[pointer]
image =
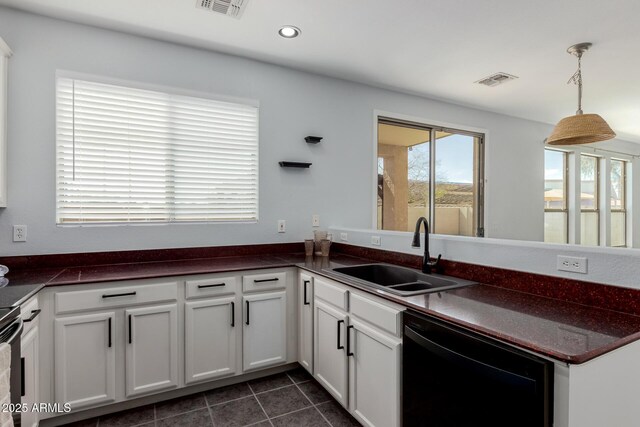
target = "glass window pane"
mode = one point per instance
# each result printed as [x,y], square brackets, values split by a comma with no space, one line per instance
[618,229]
[555,227]
[589,183]
[403,176]
[617,184]
[554,180]
[455,188]
[589,230]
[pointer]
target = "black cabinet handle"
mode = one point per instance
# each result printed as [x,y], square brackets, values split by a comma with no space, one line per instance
[215,285]
[34,314]
[349,352]
[233,314]
[340,347]
[306,282]
[275,279]
[129,329]
[247,312]
[23,384]
[126,294]
[110,332]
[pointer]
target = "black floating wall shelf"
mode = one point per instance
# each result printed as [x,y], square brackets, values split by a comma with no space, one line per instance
[294,164]
[312,139]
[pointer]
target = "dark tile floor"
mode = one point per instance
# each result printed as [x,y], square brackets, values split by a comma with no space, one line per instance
[289,399]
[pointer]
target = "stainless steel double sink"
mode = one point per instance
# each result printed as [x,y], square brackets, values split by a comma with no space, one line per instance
[400,280]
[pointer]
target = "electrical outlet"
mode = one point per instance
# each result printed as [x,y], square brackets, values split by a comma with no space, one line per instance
[282,227]
[344,237]
[573,264]
[315,220]
[19,233]
[375,240]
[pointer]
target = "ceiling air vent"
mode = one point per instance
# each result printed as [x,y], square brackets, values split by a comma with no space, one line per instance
[232,8]
[496,79]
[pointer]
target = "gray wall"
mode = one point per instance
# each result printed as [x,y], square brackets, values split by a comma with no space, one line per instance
[293,104]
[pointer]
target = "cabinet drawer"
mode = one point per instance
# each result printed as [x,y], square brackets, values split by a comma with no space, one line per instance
[333,294]
[386,318]
[265,281]
[96,299]
[212,286]
[29,312]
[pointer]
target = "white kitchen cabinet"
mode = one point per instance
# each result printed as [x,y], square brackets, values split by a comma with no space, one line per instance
[305,322]
[210,339]
[5,53]
[85,362]
[29,348]
[330,357]
[357,352]
[151,355]
[264,338]
[374,376]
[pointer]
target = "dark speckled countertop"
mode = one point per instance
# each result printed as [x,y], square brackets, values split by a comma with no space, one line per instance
[565,331]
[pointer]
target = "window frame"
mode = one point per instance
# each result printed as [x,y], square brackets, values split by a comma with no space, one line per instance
[565,192]
[433,126]
[171,90]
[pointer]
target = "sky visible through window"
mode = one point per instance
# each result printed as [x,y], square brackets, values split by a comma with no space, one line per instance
[454,162]
[553,165]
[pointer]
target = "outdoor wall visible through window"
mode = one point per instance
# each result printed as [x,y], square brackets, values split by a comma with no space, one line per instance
[555,196]
[132,155]
[618,203]
[431,172]
[589,201]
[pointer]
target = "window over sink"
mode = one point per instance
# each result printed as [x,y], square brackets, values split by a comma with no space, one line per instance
[127,153]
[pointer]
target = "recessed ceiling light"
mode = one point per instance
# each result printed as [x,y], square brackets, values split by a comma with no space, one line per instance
[289,31]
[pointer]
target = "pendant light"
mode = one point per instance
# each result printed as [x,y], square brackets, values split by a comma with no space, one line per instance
[581,128]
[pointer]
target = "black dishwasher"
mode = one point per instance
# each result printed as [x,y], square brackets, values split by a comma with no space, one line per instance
[455,378]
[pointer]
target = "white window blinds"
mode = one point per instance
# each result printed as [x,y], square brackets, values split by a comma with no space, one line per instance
[127,155]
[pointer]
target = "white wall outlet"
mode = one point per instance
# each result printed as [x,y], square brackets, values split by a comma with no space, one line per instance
[375,240]
[282,226]
[315,220]
[344,237]
[573,264]
[19,233]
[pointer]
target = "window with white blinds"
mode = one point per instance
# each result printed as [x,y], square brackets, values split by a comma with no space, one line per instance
[129,155]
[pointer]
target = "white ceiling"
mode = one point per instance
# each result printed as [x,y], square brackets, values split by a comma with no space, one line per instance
[436,48]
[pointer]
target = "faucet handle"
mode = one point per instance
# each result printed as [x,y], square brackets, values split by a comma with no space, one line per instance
[436,264]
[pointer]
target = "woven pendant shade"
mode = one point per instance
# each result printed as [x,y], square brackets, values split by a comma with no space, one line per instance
[580,129]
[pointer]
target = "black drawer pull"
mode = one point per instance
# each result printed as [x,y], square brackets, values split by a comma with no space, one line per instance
[127,294]
[23,382]
[340,347]
[247,312]
[129,329]
[233,314]
[34,314]
[349,352]
[306,282]
[275,279]
[215,285]
[109,332]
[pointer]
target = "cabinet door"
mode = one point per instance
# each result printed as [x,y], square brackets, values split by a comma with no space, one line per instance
[374,376]
[264,339]
[210,339]
[30,374]
[151,349]
[330,357]
[305,325]
[85,362]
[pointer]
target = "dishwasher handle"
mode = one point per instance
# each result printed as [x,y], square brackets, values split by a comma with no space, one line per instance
[476,366]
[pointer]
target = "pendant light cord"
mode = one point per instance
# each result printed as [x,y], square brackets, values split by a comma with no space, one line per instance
[577,79]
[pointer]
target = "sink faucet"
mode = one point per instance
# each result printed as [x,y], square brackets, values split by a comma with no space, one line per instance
[427,265]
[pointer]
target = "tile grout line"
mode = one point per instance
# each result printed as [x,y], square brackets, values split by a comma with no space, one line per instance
[261,407]
[312,404]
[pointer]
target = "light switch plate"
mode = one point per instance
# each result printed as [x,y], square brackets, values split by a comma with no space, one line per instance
[375,240]
[315,220]
[344,237]
[282,226]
